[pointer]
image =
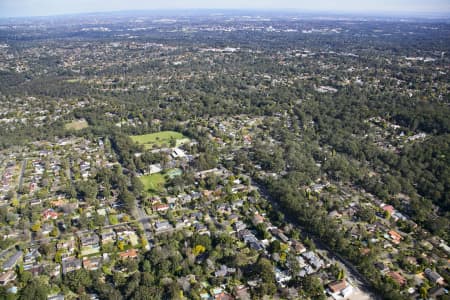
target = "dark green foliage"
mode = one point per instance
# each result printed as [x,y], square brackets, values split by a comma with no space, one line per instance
[34,290]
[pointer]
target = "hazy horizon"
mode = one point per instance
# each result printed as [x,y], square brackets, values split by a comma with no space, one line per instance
[31,8]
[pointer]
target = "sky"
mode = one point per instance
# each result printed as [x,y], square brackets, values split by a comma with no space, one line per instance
[21,8]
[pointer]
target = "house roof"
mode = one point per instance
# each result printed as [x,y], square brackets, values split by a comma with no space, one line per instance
[395,235]
[12,261]
[388,208]
[223,296]
[49,214]
[397,277]
[10,275]
[161,206]
[431,275]
[337,286]
[436,291]
[71,263]
[91,263]
[65,244]
[241,292]
[299,247]
[90,239]
[131,253]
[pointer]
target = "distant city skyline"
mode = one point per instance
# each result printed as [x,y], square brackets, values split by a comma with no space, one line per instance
[22,8]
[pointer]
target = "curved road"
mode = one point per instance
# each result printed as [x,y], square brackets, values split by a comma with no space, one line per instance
[356,278]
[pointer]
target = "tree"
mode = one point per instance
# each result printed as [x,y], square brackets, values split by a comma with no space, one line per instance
[261,231]
[275,246]
[137,186]
[264,270]
[424,292]
[198,249]
[36,227]
[312,286]
[106,291]
[202,240]
[34,290]
[58,256]
[172,142]
[128,199]
[15,203]
[113,219]
[119,279]
[341,275]
[98,220]
[25,277]
[147,293]
[132,284]
[54,232]
[146,266]
[78,280]
[366,214]
[87,189]
[121,245]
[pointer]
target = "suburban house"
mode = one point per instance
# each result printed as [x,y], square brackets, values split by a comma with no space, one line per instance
[31,256]
[71,264]
[395,236]
[46,228]
[131,253]
[92,263]
[279,234]
[239,225]
[389,208]
[36,270]
[90,240]
[49,214]
[108,236]
[339,289]
[434,277]
[437,291]
[162,226]
[160,207]
[314,260]
[223,271]
[7,277]
[241,292]
[397,278]
[12,261]
[178,153]
[298,247]
[123,232]
[69,245]
[257,219]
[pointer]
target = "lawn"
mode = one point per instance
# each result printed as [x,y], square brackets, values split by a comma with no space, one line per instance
[77,125]
[158,139]
[153,183]
[174,173]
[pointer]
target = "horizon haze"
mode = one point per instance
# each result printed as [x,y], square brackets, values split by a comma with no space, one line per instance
[33,8]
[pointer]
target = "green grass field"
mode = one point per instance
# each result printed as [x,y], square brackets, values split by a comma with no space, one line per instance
[153,183]
[77,125]
[73,80]
[158,139]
